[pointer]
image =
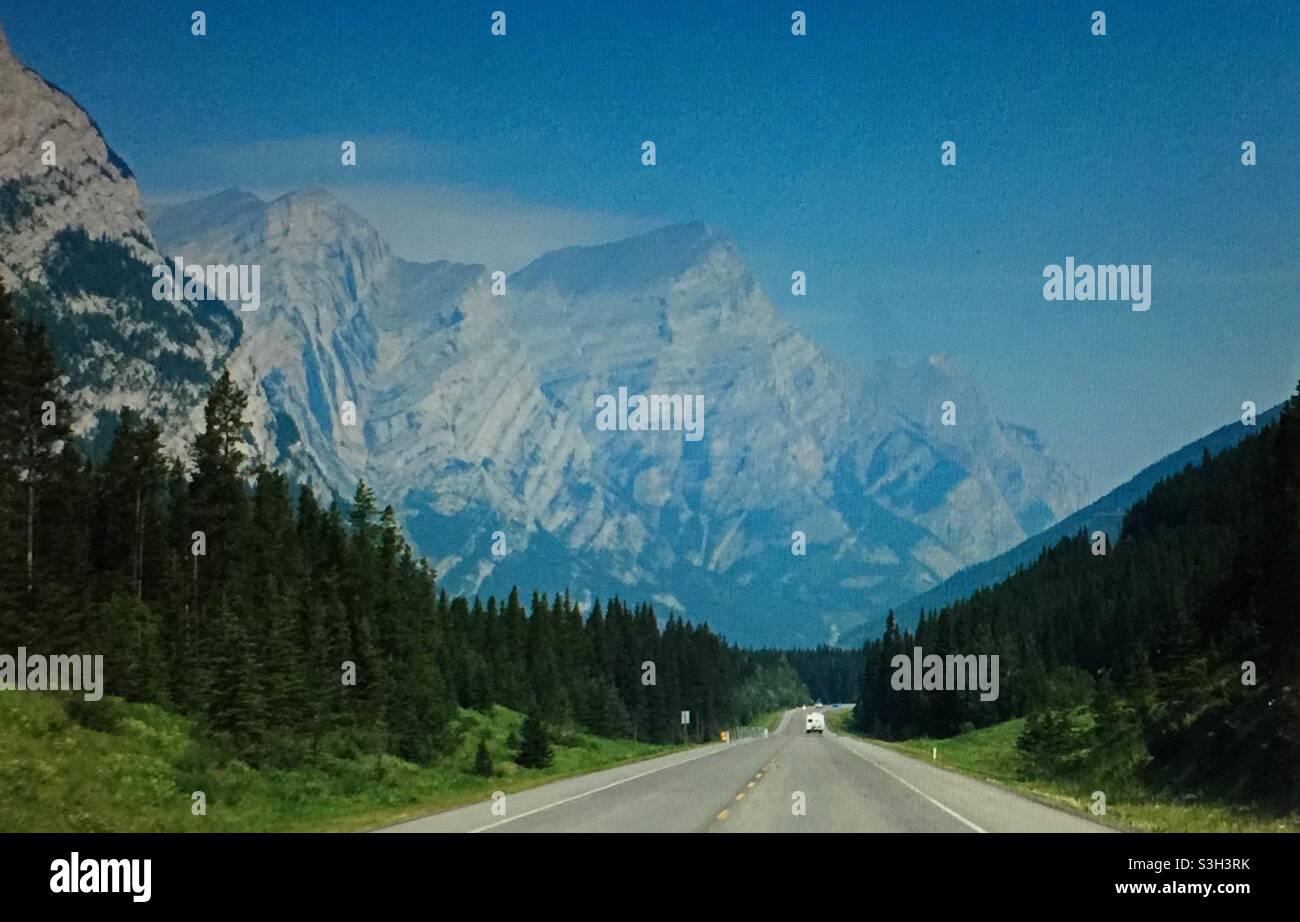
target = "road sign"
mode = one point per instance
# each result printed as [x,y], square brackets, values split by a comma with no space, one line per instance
[686,717]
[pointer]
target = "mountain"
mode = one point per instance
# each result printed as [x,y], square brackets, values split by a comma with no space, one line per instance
[310,347]
[76,251]
[476,413]
[891,500]
[450,421]
[1106,514]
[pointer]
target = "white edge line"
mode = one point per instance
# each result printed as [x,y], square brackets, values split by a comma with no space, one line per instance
[605,787]
[903,781]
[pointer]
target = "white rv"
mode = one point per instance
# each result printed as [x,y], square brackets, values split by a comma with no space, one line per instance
[814,723]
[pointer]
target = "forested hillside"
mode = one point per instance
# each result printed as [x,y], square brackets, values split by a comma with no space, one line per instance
[1105,514]
[831,674]
[233,596]
[1172,659]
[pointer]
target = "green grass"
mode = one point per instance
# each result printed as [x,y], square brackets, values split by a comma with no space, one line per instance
[137,774]
[990,754]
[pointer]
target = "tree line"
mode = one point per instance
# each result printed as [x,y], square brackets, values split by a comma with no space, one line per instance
[290,624]
[1171,660]
[833,675]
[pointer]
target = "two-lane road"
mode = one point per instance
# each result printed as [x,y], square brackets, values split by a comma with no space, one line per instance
[787,782]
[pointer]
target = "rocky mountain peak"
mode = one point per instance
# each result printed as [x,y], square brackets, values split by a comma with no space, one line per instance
[59,172]
[312,228]
[69,209]
[189,219]
[651,260]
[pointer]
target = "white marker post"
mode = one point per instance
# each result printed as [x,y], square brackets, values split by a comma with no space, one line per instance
[686,719]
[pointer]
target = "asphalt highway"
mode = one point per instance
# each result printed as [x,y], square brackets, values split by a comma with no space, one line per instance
[789,781]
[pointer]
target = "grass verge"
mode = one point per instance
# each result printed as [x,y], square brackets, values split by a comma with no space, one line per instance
[137,771]
[990,754]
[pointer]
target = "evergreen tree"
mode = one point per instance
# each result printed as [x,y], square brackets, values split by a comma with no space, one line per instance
[134,665]
[11,542]
[1118,752]
[37,424]
[250,636]
[218,499]
[482,760]
[132,476]
[534,749]
[1046,744]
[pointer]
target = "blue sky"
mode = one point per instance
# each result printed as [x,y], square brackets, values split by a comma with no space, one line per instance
[818,153]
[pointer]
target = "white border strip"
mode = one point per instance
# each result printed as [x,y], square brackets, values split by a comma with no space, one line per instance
[903,781]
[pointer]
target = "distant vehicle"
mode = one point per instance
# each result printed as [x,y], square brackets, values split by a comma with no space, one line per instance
[814,723]
[818,704]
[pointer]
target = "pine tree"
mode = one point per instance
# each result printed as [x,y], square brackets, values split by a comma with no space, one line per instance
[132,477]
[1118,751]
[482,760]
[10,532]
[510,659]
[534,750]
[219,502]
[134,663]
[37,420]
[1047,744]
[543,668]
[61,611]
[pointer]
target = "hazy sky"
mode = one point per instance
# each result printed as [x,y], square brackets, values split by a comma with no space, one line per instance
[818,153]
